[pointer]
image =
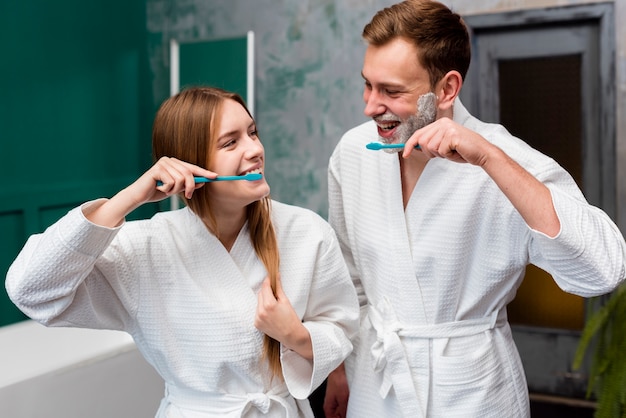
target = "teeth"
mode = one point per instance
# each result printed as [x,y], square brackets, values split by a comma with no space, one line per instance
[387,126]
[255,171]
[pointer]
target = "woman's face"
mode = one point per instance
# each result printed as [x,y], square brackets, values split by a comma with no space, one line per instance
[237,151]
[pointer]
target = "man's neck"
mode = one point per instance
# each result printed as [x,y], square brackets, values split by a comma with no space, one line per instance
[410,171]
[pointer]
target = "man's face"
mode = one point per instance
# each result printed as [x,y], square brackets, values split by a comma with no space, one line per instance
[394,81]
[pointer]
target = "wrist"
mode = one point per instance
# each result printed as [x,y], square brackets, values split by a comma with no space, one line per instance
[300,342]
[112,213]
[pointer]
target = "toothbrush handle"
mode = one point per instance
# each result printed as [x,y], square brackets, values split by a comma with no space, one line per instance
[199,180]
[221,178]
[378,146]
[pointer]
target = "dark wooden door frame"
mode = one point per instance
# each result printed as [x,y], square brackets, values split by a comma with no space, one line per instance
[547,353]
[601,14]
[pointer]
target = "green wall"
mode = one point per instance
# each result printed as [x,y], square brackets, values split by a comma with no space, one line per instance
[218,63]
[75,112]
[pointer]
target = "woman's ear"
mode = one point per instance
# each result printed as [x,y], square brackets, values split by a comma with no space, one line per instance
[448,89]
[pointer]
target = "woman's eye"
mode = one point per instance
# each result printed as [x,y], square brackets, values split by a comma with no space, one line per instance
[228,143]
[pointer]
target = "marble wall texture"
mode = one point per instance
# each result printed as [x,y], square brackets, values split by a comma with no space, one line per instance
[307,73]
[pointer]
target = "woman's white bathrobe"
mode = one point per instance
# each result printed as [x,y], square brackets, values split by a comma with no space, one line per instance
[190,304]
[434,279]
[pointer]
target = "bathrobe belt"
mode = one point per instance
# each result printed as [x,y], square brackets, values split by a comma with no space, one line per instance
[390,357]
[226,404]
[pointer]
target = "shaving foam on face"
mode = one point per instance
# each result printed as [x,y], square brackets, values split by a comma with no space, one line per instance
[426,114]
[426,109]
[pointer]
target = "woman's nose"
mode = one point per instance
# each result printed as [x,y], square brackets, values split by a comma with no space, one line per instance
[254,148]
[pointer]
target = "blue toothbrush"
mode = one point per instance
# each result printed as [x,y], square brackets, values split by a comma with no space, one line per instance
[378,146]
[249,177]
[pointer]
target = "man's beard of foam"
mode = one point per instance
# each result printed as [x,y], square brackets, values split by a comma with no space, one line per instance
[426,114]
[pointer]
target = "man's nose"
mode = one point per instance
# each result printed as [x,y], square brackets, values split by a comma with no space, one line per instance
[373,104]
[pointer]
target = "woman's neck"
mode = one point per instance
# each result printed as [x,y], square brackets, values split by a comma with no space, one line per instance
[227,227]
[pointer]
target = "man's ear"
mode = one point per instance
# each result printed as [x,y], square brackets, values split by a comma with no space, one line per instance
[448,89]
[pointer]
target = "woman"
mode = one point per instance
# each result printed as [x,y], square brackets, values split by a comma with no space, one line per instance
[242,304]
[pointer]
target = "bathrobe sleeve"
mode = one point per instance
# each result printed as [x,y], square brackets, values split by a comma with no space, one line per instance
[588,255]
[55,282]
[316,280]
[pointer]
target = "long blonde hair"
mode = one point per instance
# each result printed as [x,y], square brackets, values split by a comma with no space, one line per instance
[186,127]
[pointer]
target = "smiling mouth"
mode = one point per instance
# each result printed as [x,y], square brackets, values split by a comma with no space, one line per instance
[387,126]
[255,171]
[387,130]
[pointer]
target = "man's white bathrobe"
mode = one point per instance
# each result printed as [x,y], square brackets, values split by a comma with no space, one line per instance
[190,304]
[434,279]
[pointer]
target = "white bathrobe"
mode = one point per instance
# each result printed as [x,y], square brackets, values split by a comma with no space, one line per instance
[190,304]
[434,279]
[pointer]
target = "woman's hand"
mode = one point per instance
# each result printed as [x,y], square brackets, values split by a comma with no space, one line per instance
[176,176]
[276,317]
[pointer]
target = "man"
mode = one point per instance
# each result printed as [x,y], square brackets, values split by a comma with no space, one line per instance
[438,238]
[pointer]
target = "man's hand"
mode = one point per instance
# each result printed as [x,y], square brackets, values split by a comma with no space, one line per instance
[337,394]
[445,138]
